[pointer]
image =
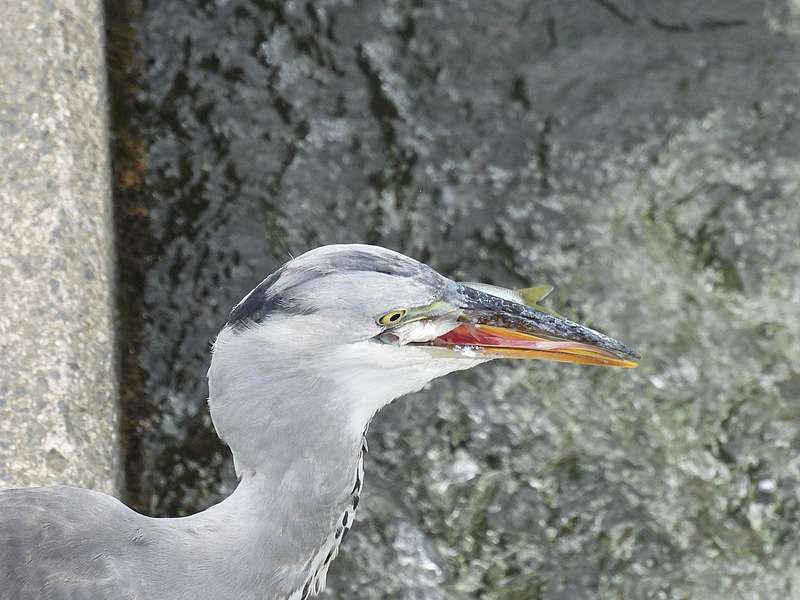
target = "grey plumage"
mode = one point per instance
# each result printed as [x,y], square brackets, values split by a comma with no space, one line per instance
[278,291]
[296,375]
[54,543]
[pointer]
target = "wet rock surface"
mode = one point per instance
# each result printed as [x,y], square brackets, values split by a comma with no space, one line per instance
[644,157]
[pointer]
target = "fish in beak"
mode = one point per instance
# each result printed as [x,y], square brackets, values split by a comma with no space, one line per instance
[510,324]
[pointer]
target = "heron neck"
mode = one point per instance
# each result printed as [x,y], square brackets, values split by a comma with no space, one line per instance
[294,419]
[296,485]
[278,429]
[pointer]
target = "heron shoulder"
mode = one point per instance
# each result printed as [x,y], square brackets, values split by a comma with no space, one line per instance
[57,542]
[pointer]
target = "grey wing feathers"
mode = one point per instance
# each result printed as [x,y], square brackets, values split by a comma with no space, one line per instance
[56,544]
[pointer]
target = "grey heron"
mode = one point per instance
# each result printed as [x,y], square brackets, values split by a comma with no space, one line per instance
[297,373]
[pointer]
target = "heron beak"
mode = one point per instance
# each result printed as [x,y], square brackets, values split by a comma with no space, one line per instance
[503,328]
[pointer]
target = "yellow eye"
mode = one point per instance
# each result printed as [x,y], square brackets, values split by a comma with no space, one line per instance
[392,317]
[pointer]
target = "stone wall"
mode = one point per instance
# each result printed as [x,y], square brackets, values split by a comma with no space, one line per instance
[58,381]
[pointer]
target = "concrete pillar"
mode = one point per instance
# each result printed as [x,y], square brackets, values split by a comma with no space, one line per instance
[58,384]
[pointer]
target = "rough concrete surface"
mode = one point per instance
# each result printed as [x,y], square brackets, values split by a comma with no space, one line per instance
[57,370]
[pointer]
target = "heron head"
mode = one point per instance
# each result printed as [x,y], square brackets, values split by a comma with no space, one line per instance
[365,310]
[343,330]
